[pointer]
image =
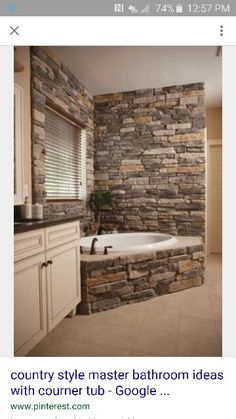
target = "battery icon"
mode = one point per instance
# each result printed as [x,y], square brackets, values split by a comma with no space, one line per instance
[179,8]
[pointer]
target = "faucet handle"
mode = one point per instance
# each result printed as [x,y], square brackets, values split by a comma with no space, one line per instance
[105,249]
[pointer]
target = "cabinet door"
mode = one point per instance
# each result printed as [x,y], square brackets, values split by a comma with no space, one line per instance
[63,281]
[30,303]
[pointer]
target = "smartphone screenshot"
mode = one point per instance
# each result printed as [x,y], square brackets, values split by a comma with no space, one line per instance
[117,209]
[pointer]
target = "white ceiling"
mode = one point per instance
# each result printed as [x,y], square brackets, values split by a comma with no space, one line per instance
[117,69]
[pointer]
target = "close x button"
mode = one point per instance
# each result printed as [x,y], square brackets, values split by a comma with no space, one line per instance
[14,30]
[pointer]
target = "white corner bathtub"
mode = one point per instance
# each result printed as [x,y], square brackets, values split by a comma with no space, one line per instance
[127,242]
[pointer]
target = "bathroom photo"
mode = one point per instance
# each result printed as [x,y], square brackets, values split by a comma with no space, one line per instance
[118,201]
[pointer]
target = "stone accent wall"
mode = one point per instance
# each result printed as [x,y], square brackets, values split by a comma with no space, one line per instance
[118,280]
[150,151]
[51,80]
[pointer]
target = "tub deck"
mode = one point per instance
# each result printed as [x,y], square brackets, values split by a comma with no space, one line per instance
[119,278]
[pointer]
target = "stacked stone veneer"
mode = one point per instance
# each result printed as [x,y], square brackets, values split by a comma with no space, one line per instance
[112,282]
[150,152]
[52,81]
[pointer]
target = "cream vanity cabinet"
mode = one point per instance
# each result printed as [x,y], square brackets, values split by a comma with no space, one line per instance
[47,281]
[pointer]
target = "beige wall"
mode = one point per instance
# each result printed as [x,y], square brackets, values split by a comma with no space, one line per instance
[214,123]
[214,182]
[23,80]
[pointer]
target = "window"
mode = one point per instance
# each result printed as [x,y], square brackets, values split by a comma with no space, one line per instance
[65,161]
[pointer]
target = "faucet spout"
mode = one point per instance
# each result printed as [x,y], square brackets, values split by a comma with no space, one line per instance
[92,249]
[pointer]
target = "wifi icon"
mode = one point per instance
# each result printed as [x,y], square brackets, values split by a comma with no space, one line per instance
[146,9]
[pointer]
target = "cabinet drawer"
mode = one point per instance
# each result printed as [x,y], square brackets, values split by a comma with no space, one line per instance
[61,234]
[28,244]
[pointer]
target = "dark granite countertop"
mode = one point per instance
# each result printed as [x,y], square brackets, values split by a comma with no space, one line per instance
[21,226]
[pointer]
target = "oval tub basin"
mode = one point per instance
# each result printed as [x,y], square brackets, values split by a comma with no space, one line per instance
[128,242]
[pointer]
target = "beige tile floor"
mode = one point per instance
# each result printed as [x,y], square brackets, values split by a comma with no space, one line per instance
[187,323]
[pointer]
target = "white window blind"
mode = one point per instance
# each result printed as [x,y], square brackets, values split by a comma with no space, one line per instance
[65,161]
